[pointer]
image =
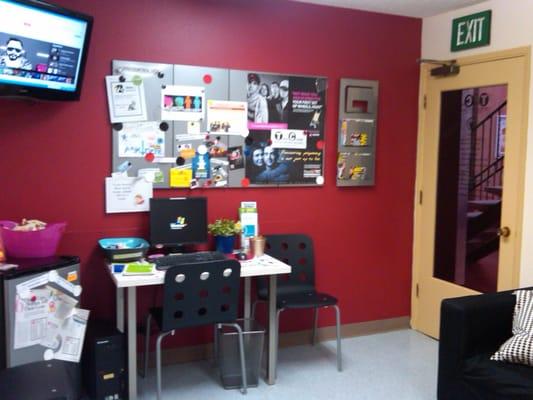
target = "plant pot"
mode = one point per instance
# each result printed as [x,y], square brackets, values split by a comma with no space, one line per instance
[225,244]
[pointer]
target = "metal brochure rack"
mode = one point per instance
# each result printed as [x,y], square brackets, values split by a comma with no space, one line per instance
[357,132]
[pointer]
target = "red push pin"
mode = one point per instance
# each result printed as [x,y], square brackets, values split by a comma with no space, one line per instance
[245,182]
[208,79]
[33,298]
[320,144]
[149,157]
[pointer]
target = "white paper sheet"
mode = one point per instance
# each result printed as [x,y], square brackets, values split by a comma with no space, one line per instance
[136,139]
[227,117]
[127,194]
[66,336]
[30,318]
[126,100]
[288,139]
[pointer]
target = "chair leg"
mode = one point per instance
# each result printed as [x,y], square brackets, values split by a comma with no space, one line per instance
[215,344]
[277,342]
[243,360]
[254,306]
[147,343]
[338,329]
[158,361]
[315,324]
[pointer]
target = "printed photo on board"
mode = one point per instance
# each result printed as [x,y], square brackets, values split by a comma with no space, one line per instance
[268,101]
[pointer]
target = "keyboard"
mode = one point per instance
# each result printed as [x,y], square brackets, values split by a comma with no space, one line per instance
[166,262]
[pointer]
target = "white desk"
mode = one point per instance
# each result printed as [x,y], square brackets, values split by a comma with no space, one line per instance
[261,266]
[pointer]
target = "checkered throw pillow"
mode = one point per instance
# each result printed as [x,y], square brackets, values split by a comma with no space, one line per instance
[519,348]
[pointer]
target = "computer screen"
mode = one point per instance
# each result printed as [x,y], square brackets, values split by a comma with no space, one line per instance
[175,222]
[43,49]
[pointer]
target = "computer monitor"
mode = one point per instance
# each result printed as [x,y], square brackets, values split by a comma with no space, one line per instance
[178,222]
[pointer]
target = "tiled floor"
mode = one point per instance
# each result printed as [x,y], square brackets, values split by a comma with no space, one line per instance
[399,365]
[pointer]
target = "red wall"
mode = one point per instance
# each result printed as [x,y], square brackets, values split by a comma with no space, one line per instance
[54,156]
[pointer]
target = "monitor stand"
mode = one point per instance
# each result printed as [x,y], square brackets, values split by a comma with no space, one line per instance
[177,249]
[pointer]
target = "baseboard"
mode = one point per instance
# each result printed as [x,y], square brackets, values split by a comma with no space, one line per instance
[205,351]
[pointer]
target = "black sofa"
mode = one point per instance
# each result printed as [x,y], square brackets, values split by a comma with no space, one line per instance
[471,329]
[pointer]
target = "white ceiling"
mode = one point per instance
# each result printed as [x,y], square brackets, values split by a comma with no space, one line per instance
[410,8]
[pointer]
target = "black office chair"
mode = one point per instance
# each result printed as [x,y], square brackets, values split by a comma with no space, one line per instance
[297,289]
[194,295]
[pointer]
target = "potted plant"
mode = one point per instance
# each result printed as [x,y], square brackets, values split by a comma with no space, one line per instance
[224,231]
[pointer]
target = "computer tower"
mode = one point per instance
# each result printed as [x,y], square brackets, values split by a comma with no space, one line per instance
[104,362]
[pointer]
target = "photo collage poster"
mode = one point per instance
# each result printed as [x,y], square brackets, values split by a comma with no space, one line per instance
[286,123]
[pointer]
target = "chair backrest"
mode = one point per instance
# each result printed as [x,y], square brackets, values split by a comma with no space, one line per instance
[297,251]
[200,294]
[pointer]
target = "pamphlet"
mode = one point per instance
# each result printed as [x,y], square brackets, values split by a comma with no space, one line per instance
[249,222]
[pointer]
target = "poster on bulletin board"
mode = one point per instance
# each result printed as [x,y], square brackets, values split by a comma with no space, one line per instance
[286,120]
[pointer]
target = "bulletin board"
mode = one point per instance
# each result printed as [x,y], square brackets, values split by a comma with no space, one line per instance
[356,157]
[206,127]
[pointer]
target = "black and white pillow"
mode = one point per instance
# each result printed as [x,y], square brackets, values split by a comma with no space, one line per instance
[519,348]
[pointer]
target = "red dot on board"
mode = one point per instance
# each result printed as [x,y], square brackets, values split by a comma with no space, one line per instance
[208,78]
[320,144]
[245,182]
[149,157]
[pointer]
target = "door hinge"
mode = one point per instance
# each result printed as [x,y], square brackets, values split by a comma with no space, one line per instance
[416,290]
[420,197]
[425,101]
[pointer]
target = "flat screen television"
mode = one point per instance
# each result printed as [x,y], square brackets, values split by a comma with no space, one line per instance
[178,222]
[43,50]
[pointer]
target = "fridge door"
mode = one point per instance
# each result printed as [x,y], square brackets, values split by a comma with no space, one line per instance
[32,331]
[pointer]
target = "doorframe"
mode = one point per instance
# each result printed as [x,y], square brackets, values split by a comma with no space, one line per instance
[418,198]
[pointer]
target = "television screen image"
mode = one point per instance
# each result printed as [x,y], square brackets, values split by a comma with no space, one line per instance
[42,50]
[176,222]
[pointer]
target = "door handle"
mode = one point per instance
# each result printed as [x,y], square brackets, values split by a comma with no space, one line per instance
[504,231]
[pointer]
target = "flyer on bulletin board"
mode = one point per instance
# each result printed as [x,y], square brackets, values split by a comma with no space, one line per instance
[136,139]
[127,194]
[227,117]
[182,103]
[126,100]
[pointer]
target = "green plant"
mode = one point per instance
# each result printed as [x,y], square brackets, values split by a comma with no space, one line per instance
[224,227]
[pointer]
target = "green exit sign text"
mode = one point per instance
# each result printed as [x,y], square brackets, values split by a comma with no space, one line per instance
[471,31]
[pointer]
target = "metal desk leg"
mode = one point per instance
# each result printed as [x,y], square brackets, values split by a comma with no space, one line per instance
[272,331]
[120,309]
[247,295]
[132,343]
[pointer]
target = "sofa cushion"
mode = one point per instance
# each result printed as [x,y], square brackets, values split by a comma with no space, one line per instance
[519,348]
[498,380]
[523,312]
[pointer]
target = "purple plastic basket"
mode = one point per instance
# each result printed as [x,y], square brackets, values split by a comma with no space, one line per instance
[31,244]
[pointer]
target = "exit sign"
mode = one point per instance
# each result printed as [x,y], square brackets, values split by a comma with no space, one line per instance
[471,31]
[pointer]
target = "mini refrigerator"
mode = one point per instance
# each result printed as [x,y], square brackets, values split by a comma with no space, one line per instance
[66,267]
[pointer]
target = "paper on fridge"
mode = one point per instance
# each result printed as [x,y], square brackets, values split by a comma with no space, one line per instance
[65,337]
[227,117]
[126,100]
[127,194]
[136,139]
[182,103]
[30,318]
